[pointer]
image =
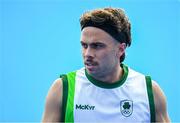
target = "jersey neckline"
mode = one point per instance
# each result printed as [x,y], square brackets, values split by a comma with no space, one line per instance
[106,84]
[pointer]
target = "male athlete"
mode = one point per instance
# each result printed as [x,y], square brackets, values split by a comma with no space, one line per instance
[105,90]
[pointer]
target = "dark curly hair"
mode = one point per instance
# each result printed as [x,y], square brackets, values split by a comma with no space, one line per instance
[114,17]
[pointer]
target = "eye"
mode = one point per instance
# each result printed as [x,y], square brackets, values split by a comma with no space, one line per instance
[84,45]
[97,45]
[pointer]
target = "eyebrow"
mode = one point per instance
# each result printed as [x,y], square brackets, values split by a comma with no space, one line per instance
[82,42]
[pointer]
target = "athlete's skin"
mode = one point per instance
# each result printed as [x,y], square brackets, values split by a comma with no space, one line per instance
[101,55]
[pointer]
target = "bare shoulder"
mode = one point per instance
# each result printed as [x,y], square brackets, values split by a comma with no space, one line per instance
[55,90]
[160,103]
[53,103]
[158,93]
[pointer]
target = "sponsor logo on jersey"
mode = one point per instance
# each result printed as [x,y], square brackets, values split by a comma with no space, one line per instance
[126,107]
[85,107]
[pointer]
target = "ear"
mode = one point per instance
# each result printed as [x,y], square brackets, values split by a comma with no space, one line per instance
[122,47]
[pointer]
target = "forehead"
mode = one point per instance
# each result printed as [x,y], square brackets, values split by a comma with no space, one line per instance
[93,34]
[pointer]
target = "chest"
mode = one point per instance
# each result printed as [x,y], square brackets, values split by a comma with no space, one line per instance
[126,103]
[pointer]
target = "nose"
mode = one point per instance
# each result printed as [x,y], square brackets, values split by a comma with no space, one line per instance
[89,53]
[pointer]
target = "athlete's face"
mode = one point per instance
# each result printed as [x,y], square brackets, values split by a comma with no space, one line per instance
[101,53]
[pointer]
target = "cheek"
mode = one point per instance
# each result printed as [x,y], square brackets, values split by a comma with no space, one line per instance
[82,52]
[109,57]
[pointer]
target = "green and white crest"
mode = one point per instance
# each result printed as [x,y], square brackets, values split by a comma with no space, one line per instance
[126,107]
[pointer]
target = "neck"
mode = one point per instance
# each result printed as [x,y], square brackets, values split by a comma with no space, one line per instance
[111,76]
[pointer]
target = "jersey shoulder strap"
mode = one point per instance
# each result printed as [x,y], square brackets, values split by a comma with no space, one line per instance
[68,97]
[151,98]
[64,97]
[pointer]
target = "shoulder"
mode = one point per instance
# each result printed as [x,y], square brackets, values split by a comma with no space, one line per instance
[159,96]
[52,112]
[160,103]
[54,96]
[55,91]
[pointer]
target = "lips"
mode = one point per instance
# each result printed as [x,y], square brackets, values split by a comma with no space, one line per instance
[90,65]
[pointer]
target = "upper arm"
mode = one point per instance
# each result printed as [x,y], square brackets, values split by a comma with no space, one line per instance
[53,105]
[160,104]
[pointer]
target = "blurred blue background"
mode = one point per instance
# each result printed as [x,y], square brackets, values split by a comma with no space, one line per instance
[39,39]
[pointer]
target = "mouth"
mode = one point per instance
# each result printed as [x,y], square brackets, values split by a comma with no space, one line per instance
[90,65]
